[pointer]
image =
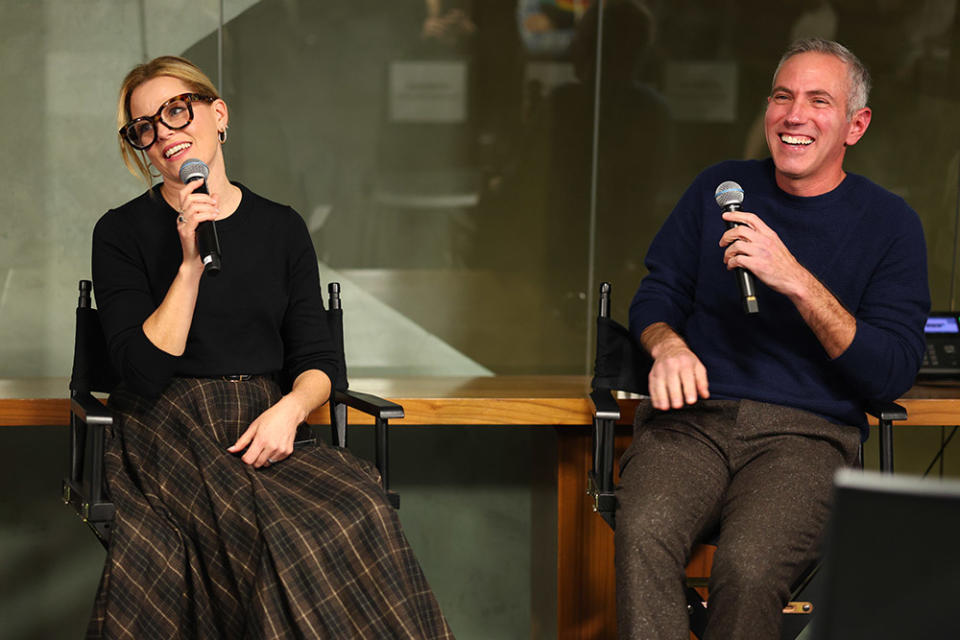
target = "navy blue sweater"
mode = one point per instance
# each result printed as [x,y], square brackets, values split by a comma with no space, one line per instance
[862,242]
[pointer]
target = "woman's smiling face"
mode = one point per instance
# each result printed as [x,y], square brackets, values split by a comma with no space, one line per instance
[172,146]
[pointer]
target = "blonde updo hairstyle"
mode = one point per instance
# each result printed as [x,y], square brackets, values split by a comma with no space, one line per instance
[173,66]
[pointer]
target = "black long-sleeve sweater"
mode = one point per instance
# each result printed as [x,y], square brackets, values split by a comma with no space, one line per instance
[262,314]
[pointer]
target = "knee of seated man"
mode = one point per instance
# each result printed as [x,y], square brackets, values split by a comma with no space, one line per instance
[750,569]
[650,527]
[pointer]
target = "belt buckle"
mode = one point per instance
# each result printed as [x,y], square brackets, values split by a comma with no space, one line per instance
[237,378]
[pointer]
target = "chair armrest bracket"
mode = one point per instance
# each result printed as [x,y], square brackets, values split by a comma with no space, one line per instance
[369,404]
[89,409]
[605,406]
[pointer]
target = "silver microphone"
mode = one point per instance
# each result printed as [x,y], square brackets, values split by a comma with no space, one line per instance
[208,243]
[729,195]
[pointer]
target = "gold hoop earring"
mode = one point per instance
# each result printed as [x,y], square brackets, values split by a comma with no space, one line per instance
[222,135]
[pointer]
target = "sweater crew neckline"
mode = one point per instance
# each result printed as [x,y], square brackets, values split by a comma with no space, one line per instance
[222,222]
[814,202]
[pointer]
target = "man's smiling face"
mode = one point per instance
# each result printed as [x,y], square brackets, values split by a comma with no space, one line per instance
[806,123]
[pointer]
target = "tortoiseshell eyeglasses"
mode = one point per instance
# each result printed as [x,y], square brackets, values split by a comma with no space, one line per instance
[175,113]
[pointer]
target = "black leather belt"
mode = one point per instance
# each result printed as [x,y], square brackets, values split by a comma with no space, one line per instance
[239,377]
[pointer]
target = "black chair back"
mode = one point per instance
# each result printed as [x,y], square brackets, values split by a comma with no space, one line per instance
[335,323]
[338,410]
[92,371]
[620,364]
[83,487]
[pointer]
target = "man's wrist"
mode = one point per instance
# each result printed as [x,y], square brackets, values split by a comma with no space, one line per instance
[805,287]
[660,338]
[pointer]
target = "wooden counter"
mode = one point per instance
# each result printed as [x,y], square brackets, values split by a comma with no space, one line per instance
[492,400]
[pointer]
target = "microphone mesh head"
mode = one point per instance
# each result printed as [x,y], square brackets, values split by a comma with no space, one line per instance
[728,192]
[193,169]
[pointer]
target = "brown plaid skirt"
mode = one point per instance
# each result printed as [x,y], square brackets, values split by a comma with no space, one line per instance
[205,546]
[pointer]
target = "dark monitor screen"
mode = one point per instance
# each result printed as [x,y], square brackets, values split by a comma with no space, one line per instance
[891,566]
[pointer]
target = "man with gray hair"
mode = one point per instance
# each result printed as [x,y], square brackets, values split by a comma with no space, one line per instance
[750,414]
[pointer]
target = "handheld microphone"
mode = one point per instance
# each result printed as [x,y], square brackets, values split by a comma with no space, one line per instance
[208,243]
[729,195]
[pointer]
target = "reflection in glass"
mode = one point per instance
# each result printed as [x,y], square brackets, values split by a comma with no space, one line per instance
[449,155]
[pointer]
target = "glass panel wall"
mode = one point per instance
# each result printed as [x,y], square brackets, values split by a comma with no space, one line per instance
[447,154]
[417,141]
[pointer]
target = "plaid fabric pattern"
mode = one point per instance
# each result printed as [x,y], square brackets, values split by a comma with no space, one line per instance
[205,546]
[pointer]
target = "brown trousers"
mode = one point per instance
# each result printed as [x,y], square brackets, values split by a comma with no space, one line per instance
[762,473]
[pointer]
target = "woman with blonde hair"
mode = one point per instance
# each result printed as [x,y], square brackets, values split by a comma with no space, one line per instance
[222,529]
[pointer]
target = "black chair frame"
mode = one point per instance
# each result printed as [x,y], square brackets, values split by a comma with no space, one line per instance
[621,365]
[84,487]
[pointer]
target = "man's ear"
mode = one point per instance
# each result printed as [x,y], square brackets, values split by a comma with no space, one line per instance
[858,126]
